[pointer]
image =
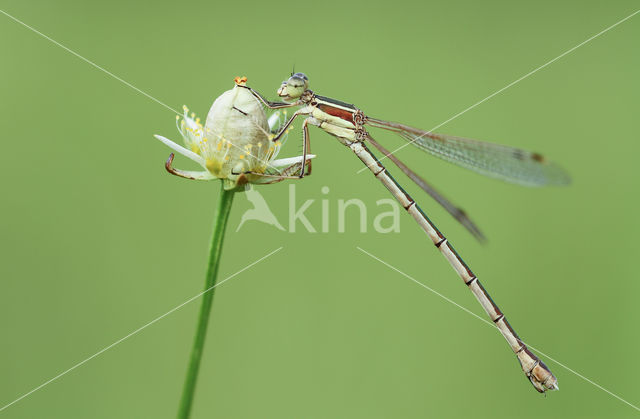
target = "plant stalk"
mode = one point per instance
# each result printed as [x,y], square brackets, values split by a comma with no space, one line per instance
[222,216]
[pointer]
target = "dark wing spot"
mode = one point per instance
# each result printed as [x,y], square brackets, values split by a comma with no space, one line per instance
[537,157]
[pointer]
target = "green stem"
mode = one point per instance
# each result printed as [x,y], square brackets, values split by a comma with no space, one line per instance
[222,215]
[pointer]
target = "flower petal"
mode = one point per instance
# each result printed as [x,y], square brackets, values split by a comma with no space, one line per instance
[274,122]
[205,175]
[178,148]
[280,163]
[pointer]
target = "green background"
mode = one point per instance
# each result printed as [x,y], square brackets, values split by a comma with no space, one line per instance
[98,240]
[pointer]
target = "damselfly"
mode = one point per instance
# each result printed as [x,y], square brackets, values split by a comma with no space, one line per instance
[347,123]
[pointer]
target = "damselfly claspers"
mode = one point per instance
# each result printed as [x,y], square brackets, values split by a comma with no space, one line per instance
[347,123]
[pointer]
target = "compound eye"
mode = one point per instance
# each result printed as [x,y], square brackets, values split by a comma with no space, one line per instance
[298,80]
[301,76]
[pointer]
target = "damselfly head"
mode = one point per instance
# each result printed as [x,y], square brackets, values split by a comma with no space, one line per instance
[294,87]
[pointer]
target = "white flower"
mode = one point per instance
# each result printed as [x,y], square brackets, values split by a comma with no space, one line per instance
[235,144]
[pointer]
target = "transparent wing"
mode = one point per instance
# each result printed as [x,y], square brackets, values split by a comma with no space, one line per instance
[494,160]
[458,213]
